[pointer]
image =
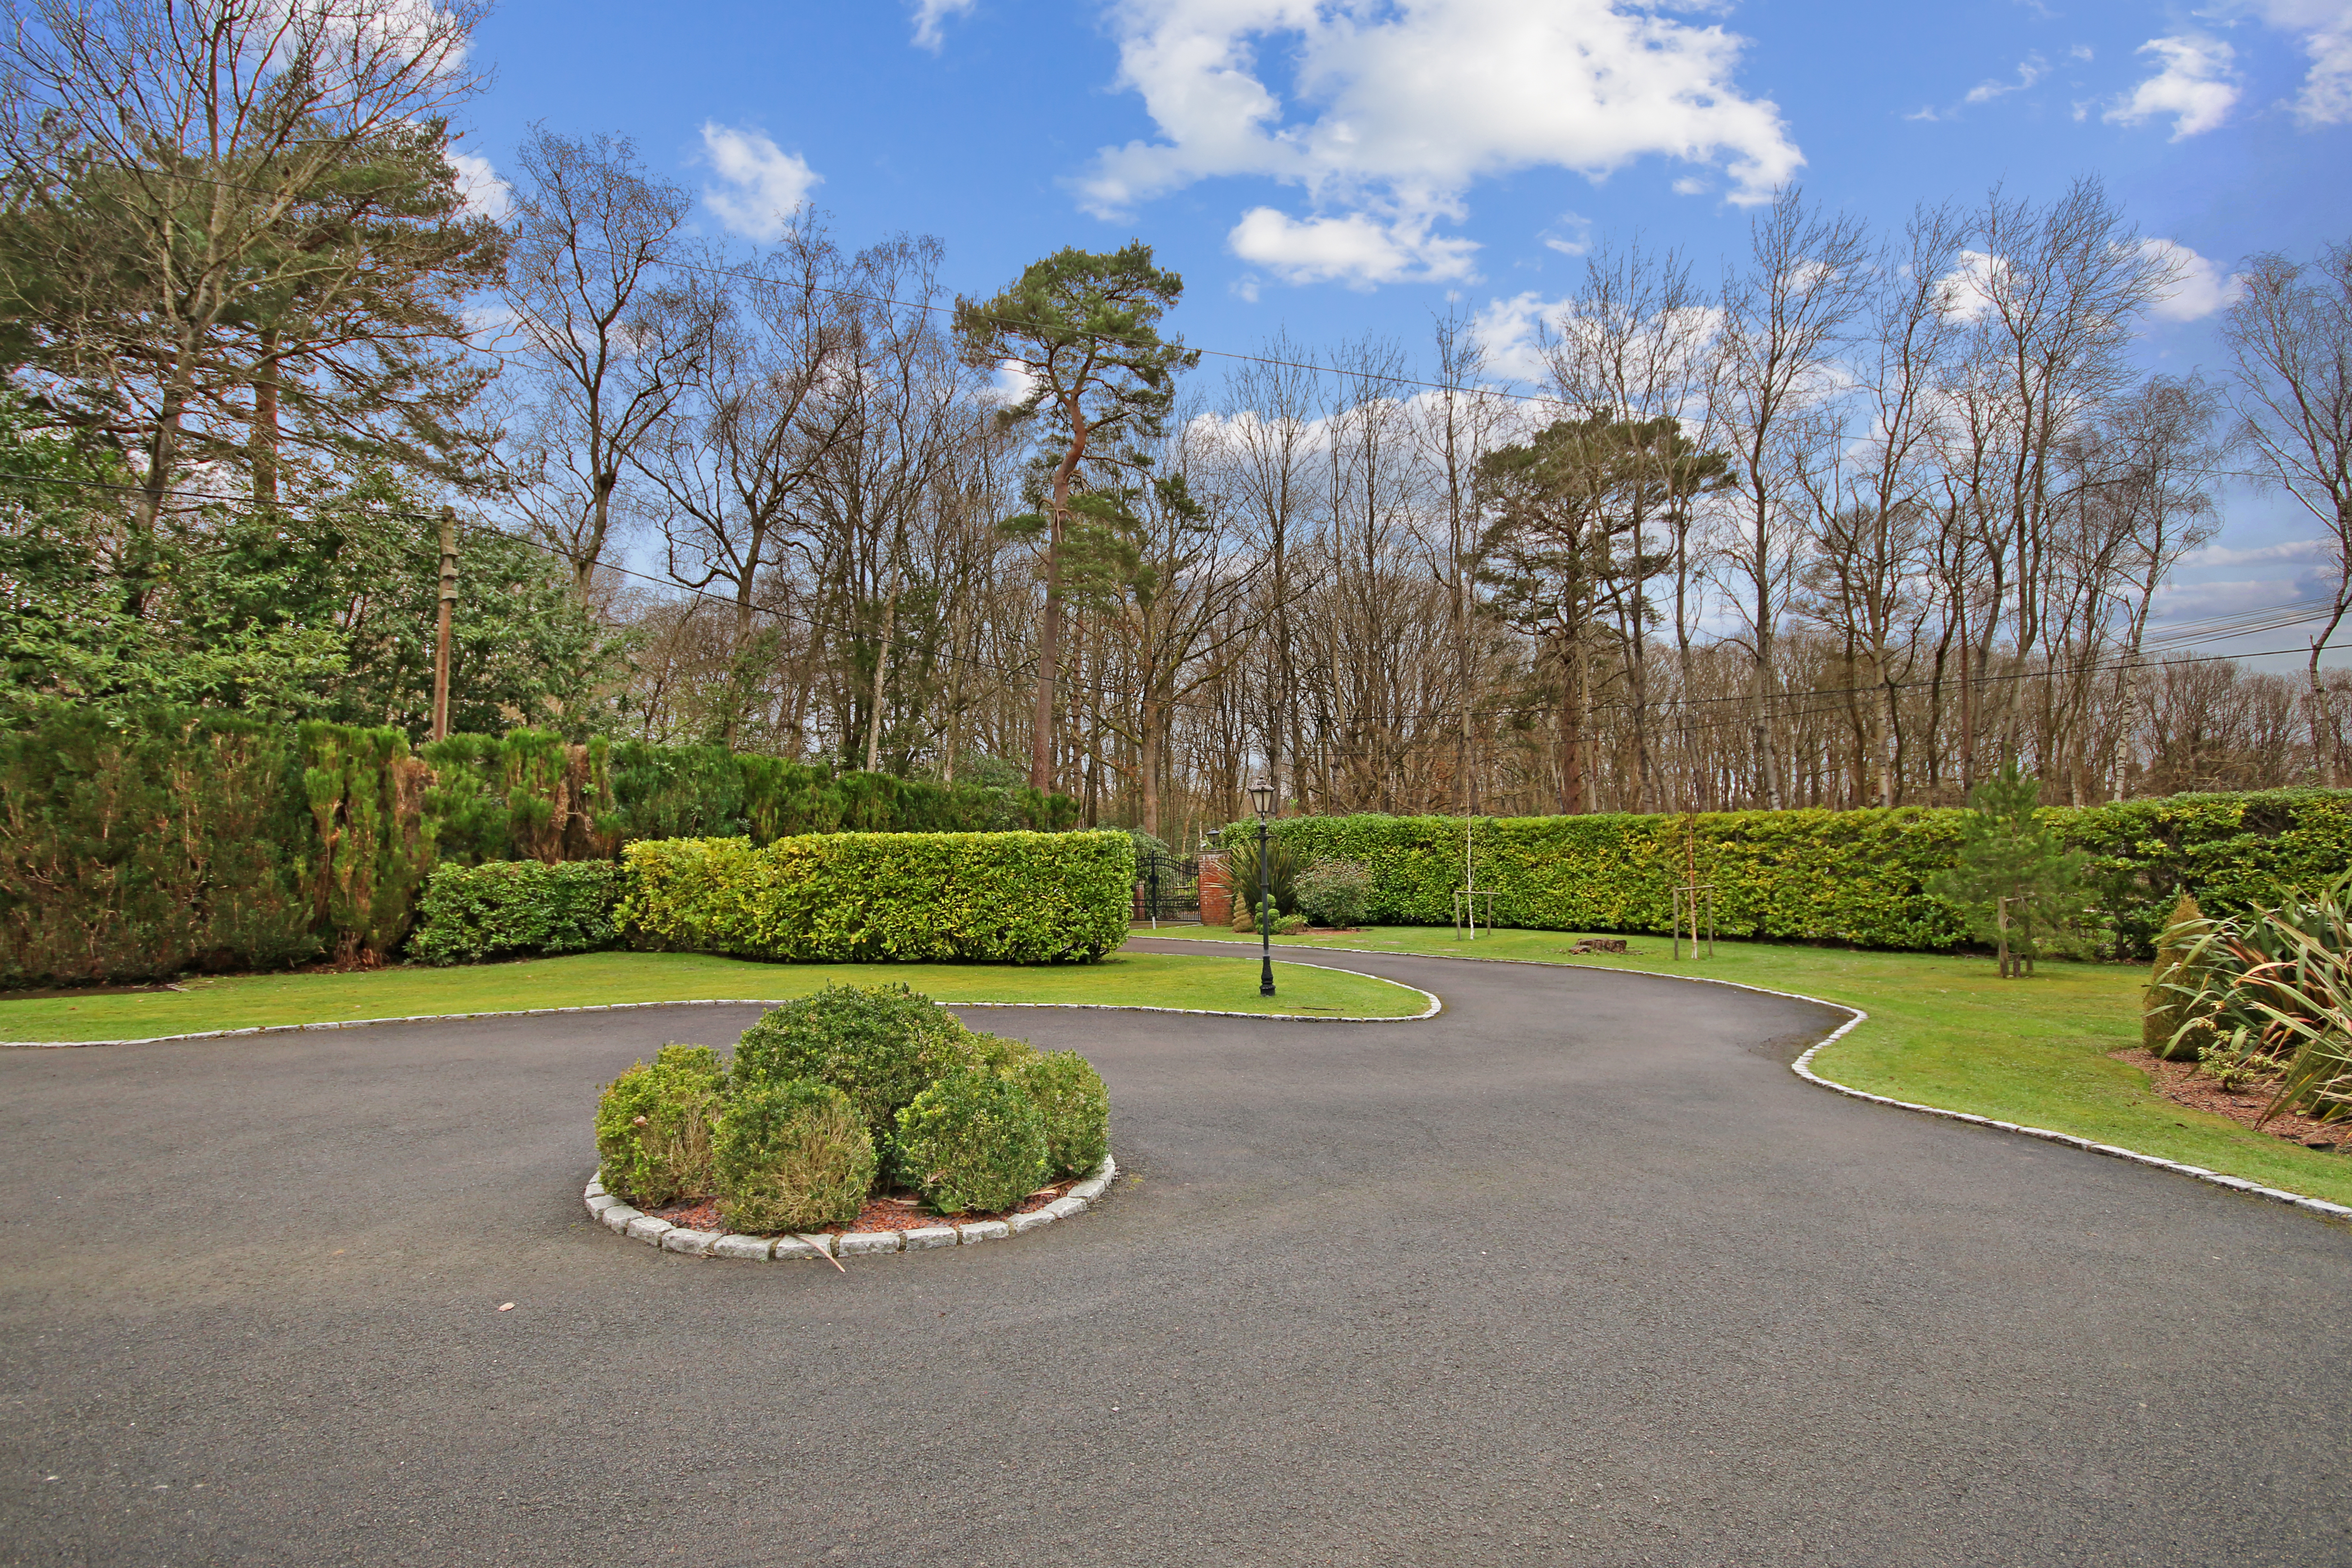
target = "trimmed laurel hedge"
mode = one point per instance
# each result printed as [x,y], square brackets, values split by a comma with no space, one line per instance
[1855,877]
[1000,897]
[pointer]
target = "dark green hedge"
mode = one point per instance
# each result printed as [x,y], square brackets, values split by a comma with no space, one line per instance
[134,847]
[139,848]
[1004,897]
[1855,877]
[511,906]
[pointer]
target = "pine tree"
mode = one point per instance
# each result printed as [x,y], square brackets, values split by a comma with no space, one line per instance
[2014,883]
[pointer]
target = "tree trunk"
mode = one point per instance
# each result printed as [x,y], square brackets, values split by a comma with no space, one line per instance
[261,446]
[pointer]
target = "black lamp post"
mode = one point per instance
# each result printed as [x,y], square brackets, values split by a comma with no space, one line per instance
[1262,796]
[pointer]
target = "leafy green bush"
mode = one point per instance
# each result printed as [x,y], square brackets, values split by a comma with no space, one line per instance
[472,912]
[1856,877]
[653,1126]
[998,1054]
[791,1156]
[972,1143]
[1008,898]
[881,1045]
[1335,893]
[1074,1108]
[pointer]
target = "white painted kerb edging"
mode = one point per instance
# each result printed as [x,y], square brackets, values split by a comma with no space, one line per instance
[622,1220]
[1803,1066]
[1434,1007]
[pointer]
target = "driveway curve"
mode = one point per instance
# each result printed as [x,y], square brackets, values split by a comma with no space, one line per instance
[1576,1272]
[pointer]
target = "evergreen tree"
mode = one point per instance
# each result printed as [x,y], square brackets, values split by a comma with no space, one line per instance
[1083,328]
[2014,883]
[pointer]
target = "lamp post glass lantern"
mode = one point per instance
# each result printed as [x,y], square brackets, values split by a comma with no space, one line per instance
[1262,796]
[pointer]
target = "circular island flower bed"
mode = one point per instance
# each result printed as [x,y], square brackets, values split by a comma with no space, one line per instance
[851,1121]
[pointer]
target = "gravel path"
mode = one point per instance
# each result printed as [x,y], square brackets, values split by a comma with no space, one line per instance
[1577,1272]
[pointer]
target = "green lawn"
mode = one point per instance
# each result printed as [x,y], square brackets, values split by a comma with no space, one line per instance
[1219,981]
[1949,1031]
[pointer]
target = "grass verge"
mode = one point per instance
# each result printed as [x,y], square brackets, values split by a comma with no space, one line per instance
[1950,1033]
[1216,981]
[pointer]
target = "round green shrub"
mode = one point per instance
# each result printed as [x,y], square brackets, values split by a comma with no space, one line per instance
[789,1156]
[1074,1108]
[972,1142]
[653,1126]
[1000,1055]
[881,1045]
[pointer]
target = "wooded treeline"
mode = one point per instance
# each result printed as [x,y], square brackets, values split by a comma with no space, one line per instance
[1847,525]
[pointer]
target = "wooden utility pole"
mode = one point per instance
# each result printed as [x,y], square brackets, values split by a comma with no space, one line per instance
[441,636]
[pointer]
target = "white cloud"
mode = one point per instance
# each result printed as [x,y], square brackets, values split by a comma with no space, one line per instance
[1511,332]
[2294,550]
[1509,329]
[2199,287]
[1571,235]
[1395,108]
[763,185]
[1359,250]
[1010,383]
[485,193]
[2326,27]
[1965,292]
[2031,69]
[930,13]
[2194,87]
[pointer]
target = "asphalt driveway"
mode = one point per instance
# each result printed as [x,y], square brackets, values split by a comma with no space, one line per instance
[1577,1272]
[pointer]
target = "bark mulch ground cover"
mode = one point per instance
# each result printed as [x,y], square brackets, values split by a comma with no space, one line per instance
[2183,1084]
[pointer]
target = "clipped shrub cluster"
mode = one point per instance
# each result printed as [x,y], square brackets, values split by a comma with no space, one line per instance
[1002,897]
[791,1155]
[654,1125]
[1858,877]
[881,1045]
[469,913]
[832,1094]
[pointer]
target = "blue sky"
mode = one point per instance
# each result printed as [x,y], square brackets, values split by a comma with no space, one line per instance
[1347,168]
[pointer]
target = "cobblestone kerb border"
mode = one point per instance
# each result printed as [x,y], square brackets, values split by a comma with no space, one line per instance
[638,1226]
[1434,1007]
[1803,1067]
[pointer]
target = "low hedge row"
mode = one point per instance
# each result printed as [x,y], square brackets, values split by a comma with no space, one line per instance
[1000,897]
[1857,877]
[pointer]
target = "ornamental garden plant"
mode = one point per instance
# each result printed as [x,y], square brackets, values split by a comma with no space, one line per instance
[844,1097]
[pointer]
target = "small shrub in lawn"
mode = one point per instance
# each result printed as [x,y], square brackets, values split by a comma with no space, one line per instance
[653,1126]
[1335,892]
[1074,1108]
[790,1156]
[972,1143]
[880,1045]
